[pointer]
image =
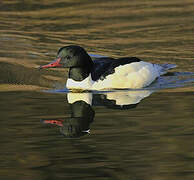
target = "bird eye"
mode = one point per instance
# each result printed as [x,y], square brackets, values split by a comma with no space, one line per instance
[68,57]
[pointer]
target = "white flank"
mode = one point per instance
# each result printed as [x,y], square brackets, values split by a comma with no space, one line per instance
[134,75]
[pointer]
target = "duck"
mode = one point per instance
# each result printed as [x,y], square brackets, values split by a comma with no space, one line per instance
[105,72]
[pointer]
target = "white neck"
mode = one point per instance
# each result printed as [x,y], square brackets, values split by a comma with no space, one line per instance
[85,84]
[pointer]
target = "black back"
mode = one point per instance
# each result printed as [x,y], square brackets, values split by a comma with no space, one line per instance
[106,66]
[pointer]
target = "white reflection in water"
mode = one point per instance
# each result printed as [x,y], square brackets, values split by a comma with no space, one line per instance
[73,97]
[120,97]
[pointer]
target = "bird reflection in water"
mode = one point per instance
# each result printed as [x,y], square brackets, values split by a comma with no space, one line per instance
[78,124]
[82,114]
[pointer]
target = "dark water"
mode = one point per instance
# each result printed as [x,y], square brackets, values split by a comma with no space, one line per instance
[47,133]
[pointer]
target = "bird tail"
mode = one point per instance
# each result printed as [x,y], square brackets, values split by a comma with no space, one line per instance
[163,68]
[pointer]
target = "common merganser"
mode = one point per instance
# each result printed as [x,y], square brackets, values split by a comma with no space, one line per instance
[104,72]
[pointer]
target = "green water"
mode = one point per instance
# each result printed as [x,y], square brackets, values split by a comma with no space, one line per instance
[47,133]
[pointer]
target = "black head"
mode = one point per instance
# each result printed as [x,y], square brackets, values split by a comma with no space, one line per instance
[70,57]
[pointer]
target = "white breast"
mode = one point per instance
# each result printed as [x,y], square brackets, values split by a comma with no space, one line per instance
[134,75]
[85,84]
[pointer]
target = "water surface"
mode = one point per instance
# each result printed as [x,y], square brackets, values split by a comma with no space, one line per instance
[48,133]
